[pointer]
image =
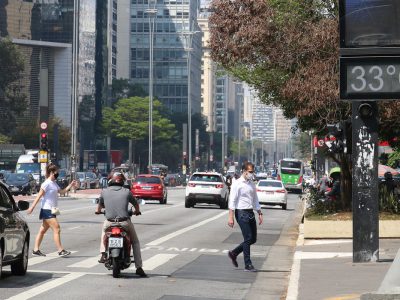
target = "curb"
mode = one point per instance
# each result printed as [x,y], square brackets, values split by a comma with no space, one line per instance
[390,286]
[273,282]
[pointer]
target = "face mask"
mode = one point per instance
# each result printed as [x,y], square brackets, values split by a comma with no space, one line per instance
[55,175]
[249,176]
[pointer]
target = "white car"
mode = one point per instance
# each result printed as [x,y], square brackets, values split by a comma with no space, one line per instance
[272,192]
[207,187]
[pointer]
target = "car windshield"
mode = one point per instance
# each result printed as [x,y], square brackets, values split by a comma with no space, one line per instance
[28,168]
[290,164]
[148,180]
[270,184]
[206,177]
[80,175]
[17,177]
[62,173]
[91,175]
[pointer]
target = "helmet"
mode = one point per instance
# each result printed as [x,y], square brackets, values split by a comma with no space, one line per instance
[388,175]
[116,178]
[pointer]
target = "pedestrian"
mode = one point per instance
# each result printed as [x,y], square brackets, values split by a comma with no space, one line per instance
[243,201]
[48,195]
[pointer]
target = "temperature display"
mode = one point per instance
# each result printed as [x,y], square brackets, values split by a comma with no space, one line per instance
[370,78]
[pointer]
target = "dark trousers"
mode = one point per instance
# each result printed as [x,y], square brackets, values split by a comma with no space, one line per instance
[247,222]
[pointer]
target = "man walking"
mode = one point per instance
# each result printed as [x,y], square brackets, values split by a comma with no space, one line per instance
[243,201]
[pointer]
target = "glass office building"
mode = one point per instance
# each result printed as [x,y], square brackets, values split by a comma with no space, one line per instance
[43,32]
[176,34]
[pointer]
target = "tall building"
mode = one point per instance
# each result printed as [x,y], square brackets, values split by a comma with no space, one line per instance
[208,71]
[176,35]
[43,32]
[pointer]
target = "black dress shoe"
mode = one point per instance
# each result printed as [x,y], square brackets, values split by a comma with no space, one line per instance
[140,272]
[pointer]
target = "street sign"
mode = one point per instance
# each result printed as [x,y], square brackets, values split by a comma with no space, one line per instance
[43,125]
[370,77]
[43,157]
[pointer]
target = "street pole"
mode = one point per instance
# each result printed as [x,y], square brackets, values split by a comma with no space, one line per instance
[151,13]
[365,193]
[74,106]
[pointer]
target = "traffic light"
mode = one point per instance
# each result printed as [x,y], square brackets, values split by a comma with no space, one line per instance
[35,157]
[43,141]
[365,110]
[334,139]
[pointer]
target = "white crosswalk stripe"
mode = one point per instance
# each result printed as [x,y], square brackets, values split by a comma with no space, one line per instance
[41,259]
[157,260]
[86,263]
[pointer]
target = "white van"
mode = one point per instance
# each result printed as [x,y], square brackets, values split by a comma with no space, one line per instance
[25,164]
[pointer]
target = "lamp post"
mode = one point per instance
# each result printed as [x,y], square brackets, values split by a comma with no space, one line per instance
[151,12]
[74,108]
[188,35]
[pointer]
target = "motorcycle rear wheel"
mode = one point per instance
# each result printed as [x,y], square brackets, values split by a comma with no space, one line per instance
[116,267]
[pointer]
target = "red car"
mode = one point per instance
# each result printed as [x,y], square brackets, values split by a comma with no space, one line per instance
[149,187]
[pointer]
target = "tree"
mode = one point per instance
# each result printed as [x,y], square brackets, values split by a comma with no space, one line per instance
[28,135]
[4,139]
[288,51]
[122,88]
[12,99]
[129,120]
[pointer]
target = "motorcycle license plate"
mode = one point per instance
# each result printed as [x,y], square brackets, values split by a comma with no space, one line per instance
[115,242]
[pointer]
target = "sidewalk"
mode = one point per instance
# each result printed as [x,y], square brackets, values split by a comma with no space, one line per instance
[324,270]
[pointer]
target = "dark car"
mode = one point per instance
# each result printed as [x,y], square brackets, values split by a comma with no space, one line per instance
[14,233]
[21,183]
[63,178]
[149,187]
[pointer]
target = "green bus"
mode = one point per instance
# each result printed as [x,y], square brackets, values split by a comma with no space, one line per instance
[290,172]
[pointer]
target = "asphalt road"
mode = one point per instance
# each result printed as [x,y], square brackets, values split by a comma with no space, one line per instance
[184,252]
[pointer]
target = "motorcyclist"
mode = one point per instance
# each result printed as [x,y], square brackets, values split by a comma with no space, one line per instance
[115,200]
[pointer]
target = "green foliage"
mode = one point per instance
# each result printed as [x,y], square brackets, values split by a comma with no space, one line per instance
[28,135]
[388,202]
[394,159]
[4,139]
[319,205]
[12,99]
[129,120]
[122,88]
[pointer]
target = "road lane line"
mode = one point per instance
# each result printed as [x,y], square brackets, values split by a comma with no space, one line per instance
[40,259]
[46,286]
[157,260]
[86,263]
[183,230]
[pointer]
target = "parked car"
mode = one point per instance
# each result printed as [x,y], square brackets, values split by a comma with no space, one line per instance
[22,183]
[149,187]
[103,179]
[94,182]
[272,192]
[207,187]
[63,178]
[14,233]
[83,181]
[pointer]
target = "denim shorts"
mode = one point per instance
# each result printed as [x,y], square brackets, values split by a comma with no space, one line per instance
[46,214]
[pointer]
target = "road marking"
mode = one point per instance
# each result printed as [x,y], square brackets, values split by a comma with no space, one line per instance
[293,289]
[40,259]
[157,260]
[183,230]
[46,286]
[321,255]
[86,263]
[326,242]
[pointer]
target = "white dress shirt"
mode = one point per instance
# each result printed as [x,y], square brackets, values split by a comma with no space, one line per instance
[243,195]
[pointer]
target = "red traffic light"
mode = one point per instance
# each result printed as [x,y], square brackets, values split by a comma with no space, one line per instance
[43,135]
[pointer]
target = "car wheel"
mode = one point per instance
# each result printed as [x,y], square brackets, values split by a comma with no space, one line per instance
[19,267]
[284,206]
[188,203]
[223,204]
